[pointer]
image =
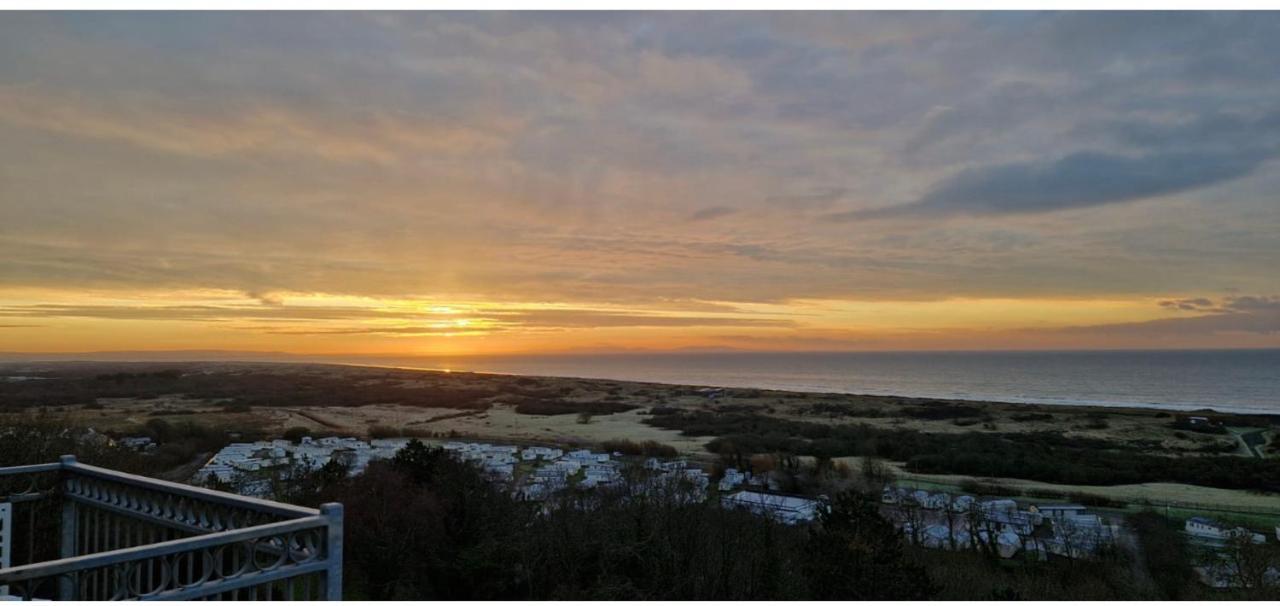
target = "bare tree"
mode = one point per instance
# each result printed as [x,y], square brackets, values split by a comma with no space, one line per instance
[876,473]
[954,521]
[982,523]
[913,517]
[1248,565]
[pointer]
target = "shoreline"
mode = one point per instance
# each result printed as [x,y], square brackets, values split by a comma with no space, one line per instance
[1064,405]
[815,390]
[1175,385]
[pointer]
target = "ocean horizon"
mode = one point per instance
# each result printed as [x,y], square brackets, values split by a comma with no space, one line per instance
[1244,380]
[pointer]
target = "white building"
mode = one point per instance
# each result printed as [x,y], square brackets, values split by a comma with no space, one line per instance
[1212,532]
[732,479]
[1057,512]
[137,443]
[245,464]
[541,453]
[962,503]
[586,456]
[788,509]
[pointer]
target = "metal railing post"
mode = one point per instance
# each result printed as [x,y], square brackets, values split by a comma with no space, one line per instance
[332,512]
[67,544]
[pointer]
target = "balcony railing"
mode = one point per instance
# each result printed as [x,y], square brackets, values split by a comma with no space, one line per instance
[79,532]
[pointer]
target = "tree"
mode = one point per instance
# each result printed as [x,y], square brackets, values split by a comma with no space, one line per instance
[913,518]
[161,430]
[1250,566]
[876,473]
[1164,551]
[854,554]
[295,434]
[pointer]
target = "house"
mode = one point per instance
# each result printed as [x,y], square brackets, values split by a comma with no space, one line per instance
[675,465]
[734,478]
[1052,511]
[503,471]
[550,473]
[345,456]
[998,505]
[541,453]
[697,477]
[1021,523]
[1077,536]
[534,491]
[586,456]
[788,509]
[245,463]
[962,503]
[935,501]
[939,536]
[137,443]
[566,467]
[1208,531]
[600,475]
[1007,544]
[894,495]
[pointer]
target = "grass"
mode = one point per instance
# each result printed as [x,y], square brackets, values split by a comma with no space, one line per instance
[1259,522]
[1215,502]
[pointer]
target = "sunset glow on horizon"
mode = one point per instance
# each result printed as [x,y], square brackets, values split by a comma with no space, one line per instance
[458,184]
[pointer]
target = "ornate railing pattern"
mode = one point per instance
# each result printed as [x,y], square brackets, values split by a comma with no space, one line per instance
[127,537]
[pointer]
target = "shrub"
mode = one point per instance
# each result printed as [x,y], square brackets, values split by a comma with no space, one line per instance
[1184,423]
[380,432]
[938,412]
[1032,417]
[648,448]
[295,434]
[533,406]
[976,487]
[1044,456]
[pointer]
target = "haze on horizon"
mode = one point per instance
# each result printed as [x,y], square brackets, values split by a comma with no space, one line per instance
[490,183]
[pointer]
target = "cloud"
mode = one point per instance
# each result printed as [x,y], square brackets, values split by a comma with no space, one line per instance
[712,212]
[479,319]
[818,197]
[401,331]
[197,313]
[1197,304]
[577,318]
[259,128]
[1253,304]
[1079,180]
[583,160]
[1246,315]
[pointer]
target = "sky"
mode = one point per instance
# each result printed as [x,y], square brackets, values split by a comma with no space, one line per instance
[504,183]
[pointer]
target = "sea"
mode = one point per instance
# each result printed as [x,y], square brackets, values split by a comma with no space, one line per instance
[1245,381]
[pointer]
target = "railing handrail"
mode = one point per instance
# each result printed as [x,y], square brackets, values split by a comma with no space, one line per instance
[204,494]
[106,558]
[207,512]
[23,469]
